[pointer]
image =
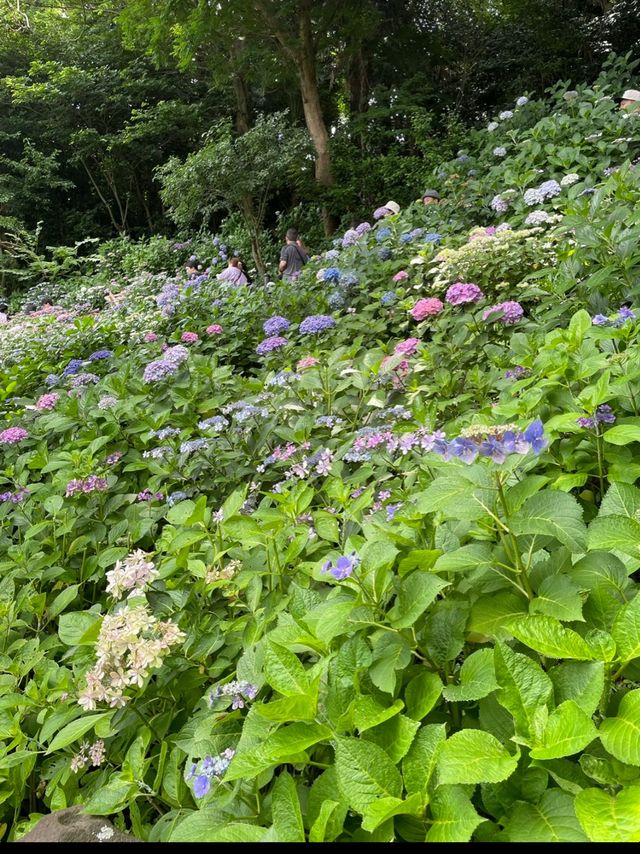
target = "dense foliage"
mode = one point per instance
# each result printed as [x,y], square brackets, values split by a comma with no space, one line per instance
[350,558]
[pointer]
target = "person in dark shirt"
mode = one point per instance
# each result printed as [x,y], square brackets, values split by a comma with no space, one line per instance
[293,256]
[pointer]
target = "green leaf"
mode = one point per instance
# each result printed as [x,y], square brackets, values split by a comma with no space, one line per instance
[299,707]
[622,434]
[64,598]
[365,773]
[626,631]
[444,631]
[285,809]
[391,653]
[621,735]
[622,499]
[549,637]
[286,744]
[79,628]
[554,514]
[557,596]
[394,736]
[551,819]
[377,554]
[180,512]
[283,671]
[492,615]
[422,694]
[467,557]
[420,763]
[525,690]
[615,532]
[235,831]
[474,756]
[380,811]
[568,730]
[580,681]
[111,797]
[417,592]
[454,818]
[456,497]
[368,712]
[75,730]
[477,678]
[318,830]
[608,818]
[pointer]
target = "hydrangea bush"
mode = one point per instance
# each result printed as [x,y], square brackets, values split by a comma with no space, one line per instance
[286,571]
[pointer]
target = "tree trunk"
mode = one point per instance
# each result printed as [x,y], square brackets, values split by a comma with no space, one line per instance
[240,89]
[306,67]
[253,227]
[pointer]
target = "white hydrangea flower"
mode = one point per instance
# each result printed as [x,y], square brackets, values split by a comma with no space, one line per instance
[522,100]
[569,179]
[500,151]
[492,126]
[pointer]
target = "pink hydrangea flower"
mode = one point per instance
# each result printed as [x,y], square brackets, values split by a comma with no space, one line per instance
[307,362]
[401,276]
[214,329]
[13,435]
[426,308]
[150,336]
[47,401]
[408,347]
[189,337]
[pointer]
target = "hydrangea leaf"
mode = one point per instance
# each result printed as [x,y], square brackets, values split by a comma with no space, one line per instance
[365,773]
[454,817]
[569,729]
[558,596]
[553,514]
[551,819]
[476,679]
[621,735]
[474,756]
[420,763]
[525,690]
[610,818]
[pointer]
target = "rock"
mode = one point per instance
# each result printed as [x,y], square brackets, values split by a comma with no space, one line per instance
[72,825]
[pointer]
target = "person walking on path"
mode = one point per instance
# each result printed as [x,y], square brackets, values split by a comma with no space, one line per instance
[233,274]
[293,256]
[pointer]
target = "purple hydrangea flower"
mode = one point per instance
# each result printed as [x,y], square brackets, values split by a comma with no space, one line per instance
[534,434]
[511,312]
[315,323]
[343,567]
[100,354]
[462,292]
[275,325]
[275,342]
[72,368]
[600,320]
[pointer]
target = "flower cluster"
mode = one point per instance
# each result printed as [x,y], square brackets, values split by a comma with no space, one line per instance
[131,643]
[216,423]
[100,354]
[462,292]
[499,205]
[537,218]
[603,415]
[168,365]
[426,308]
[214,329]
[568,180]
[94,754]
[315,323]
[499,151]
[86,485]
[147,495]
[107,401]
[47,401]
[511,312]
[13,435]
[189,337]
[282,378]
[14,497]
[275,325]
[401,276]
[343,567]
[238,691]
[72,367]
[307,362]
[407,347]
[268,345]
[621,318]
[210,767]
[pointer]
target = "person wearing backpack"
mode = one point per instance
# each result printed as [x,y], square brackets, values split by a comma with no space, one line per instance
[293,256]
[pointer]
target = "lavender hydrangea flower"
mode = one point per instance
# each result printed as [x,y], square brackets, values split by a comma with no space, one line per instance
[600,320]
[388,298]
[521,101]
[511,312]
[363,227]
[275,325]
[51,380]
[549,189]
[316,323]
[73,367]
[537,218]
[498,204]
[505,114]
[100,354]
[533,196]
[275,342]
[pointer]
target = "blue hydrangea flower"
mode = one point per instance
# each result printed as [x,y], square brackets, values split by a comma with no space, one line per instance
[343,567]
[384,253]
[100,354]
[73,367]
[331,274]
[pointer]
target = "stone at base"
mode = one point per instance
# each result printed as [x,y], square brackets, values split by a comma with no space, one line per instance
[72,825]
